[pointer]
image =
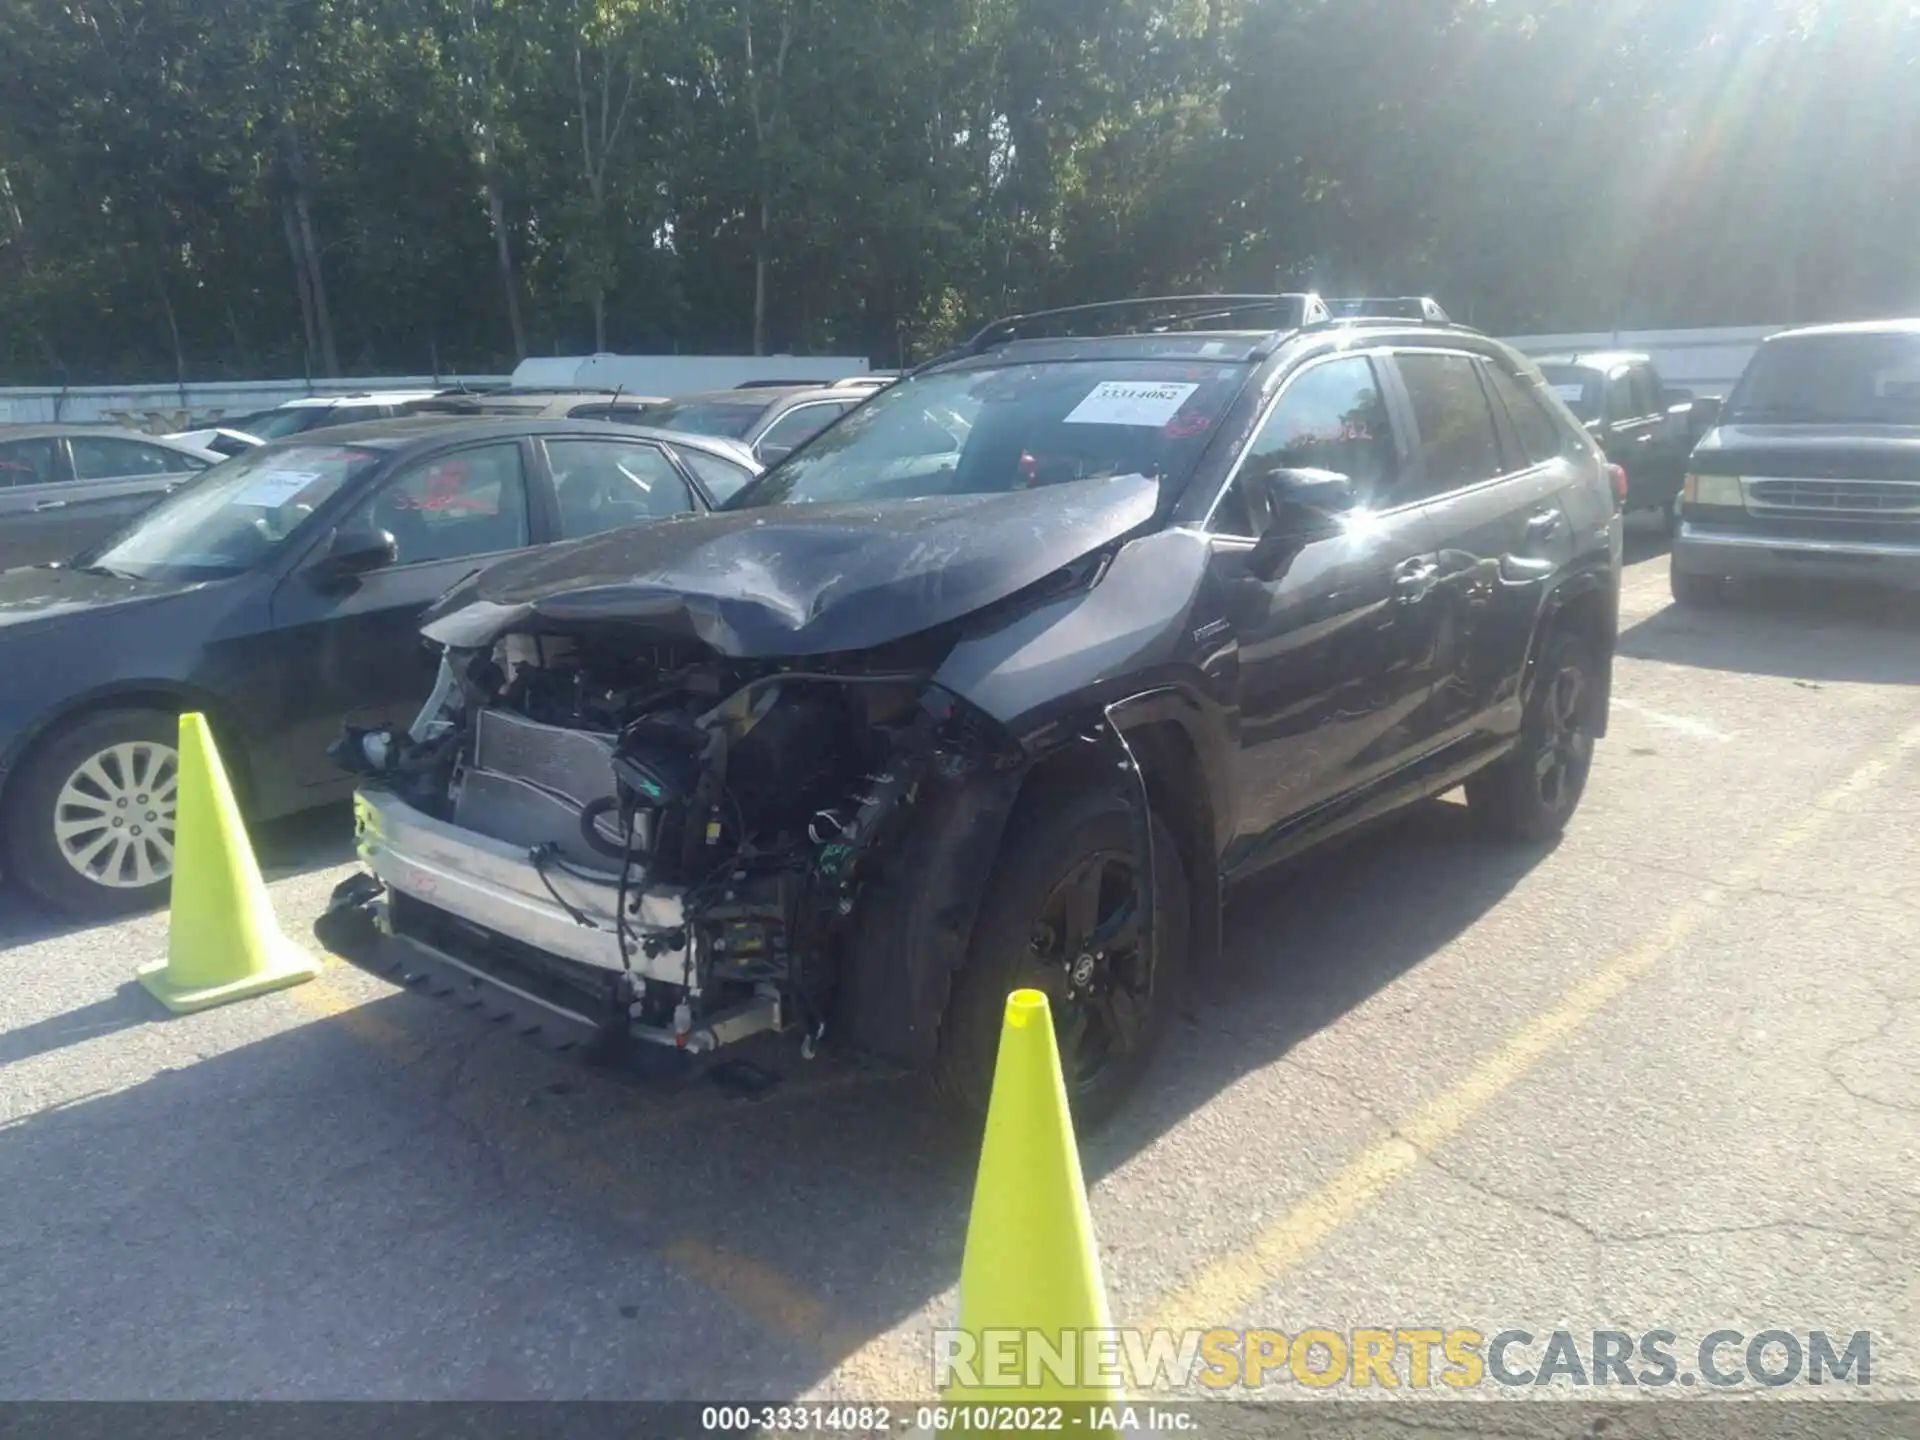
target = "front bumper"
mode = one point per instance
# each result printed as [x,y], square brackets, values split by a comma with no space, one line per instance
[1716,550]
[497,886]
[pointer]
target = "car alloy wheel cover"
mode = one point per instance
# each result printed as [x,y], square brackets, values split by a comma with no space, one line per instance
[1565,747]
[113,819]
[1089,950]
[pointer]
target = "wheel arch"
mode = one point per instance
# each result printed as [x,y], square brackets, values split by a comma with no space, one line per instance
[899,969]
[1587,602]
[170,696]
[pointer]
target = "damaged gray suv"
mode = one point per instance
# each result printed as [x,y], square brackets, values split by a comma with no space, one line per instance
[1000,681]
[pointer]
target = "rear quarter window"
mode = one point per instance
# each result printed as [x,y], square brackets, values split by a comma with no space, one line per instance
[1540,436]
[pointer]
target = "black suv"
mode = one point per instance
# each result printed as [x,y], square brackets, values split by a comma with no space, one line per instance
[1001,681]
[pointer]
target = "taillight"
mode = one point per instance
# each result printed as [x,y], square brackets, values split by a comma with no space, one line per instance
[1619,474]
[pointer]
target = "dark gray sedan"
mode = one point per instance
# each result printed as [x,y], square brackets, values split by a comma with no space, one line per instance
[63,487]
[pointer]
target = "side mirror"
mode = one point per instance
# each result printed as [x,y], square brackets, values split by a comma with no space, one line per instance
[771,455]
[355,551]
[1706,413]
[1299,502]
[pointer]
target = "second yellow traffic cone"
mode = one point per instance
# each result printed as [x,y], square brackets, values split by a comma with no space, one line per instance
[223,943]
[1031,1295]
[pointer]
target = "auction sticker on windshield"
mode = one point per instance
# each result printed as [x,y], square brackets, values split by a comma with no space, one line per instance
[1569,392]
[275,488]
[1147,403]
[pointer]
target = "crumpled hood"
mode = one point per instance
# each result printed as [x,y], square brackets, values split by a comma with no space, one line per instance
[805,579]
[36,596]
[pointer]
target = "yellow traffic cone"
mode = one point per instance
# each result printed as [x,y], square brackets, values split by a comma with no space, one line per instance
[222,940]
[1031,1296]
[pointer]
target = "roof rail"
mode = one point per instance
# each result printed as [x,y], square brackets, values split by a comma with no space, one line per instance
[780,384]
[1286,312]
[1388,307]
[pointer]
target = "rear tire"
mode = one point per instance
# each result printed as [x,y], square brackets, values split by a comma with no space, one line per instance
[89,817]
[1697,591]
[1531,792]
[1109,1013]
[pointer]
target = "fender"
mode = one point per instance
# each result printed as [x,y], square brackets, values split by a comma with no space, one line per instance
[1595,579]
[912,931]
[915,927]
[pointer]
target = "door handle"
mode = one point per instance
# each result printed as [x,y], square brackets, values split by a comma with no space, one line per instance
[1412,579]
[39,505]
[1543,526]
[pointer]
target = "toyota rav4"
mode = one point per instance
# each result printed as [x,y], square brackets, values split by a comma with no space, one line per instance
[1000,681]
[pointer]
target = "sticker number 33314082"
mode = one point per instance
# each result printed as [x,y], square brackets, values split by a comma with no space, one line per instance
[1149,403]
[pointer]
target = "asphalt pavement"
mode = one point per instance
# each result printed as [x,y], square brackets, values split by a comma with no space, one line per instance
[1665,1076]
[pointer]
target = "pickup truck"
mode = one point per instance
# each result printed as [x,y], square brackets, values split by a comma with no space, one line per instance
[1645,426]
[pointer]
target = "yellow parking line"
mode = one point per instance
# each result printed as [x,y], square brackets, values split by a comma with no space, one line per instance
[324,1001]
[1228,1284]
[757,1288]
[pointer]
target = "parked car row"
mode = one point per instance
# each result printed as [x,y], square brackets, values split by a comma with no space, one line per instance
[771,418]
[63,487]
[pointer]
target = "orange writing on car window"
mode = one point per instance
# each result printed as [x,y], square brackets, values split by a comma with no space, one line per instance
[444,492]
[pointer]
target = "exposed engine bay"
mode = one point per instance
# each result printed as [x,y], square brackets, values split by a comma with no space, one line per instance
[649,837]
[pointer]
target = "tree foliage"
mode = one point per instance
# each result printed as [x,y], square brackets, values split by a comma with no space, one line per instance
[199,188]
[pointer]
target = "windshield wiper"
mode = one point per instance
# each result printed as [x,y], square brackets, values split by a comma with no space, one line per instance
[103,570]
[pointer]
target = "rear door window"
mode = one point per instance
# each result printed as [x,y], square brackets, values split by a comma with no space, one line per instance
[603,484]
[1458,444]
[28,462]
[106,457]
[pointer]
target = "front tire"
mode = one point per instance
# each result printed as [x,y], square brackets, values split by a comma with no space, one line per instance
[89,822]
[1531,792]
[1061,916]
[1697,591]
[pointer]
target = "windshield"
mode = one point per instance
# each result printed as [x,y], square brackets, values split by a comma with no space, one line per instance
[248,424]
[278,424]
[1010,427]
[729,419]
[233,516]
[1861,379]
[1579,387]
